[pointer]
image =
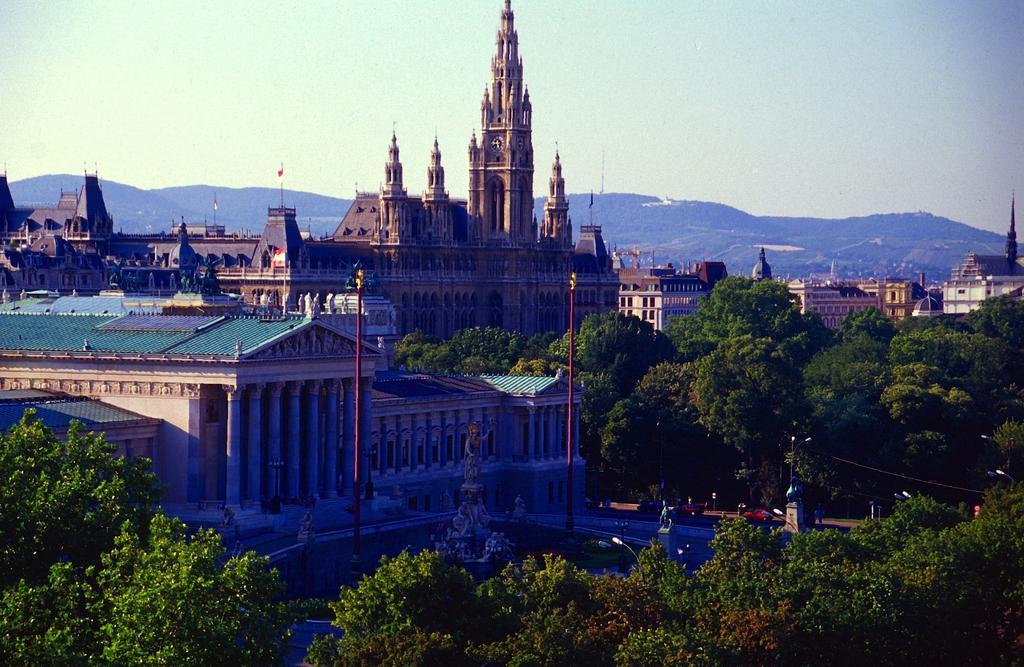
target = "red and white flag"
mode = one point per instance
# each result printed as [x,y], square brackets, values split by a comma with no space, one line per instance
[278,259]
[216,206]
[280,172]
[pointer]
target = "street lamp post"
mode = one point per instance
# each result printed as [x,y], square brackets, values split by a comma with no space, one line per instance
[622,543]
[1001,473]
[621,526]
[569,411]
[356,518]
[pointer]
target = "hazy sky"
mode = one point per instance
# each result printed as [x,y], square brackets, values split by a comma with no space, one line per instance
[789,108]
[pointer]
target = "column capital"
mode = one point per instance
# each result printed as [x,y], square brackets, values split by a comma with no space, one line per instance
[231,390]
[315,384]
[255,388]
[331,384]
[275,389]
[293,385]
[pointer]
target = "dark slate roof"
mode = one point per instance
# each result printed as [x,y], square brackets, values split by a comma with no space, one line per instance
[57,411]
[360,220]
[91,206]
[997,265]
[400,384]
[281,231]
[6,200]
[591,256]
[711,272]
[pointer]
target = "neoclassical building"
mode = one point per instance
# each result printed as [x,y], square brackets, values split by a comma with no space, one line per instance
[235,409]
[446,263]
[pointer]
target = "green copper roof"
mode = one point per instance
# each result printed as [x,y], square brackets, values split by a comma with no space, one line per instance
[520,384]
[251,331]
[69,333]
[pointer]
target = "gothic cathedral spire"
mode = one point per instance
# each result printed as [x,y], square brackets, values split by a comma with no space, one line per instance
[501,165]
[1011,236]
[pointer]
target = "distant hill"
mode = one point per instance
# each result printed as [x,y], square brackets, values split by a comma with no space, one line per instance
[684,231]
[677,231]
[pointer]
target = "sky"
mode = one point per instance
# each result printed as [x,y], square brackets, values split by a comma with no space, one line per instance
[829,109]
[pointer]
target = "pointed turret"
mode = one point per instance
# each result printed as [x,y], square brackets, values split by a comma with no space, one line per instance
[392,219]
[1011,236]
[6,200]
[556,225]
[91,217]
[435,175]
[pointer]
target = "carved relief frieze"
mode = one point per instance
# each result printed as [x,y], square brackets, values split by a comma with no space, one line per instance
[102,387]
[313,341]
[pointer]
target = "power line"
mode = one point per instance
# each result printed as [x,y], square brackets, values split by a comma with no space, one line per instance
[901,476]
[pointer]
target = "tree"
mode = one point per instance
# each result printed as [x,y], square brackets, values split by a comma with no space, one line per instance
[748,394]
[742,307]
[408,596]
[1000,317]
[622,346]
[100,577]
[869,322]
[65,501]
[170,601]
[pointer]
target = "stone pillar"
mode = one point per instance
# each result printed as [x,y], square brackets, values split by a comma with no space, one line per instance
[442,445]
[550,442]
[348,432]
[273,437]
[294,437]
[254,481]
[529,434]
[331,442]
[233,447]
[312,454]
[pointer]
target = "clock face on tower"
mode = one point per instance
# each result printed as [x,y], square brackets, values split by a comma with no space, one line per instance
[497,144]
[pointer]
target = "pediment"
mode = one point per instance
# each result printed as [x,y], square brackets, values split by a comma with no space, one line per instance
[312,340]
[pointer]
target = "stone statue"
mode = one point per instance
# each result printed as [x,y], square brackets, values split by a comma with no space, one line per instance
[314,308]
[461,521]
[446,502]
[264,300]
[666,520]
[306,528]
[471,460]
[519,511]
[228,517]
[380,342]
[329,304]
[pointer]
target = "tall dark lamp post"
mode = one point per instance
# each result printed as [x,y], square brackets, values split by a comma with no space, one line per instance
[357,445]
[569,412]
[275,502]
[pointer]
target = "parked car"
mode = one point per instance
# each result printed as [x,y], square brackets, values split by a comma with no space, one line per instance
[691,509]
[649,506]
[759,514]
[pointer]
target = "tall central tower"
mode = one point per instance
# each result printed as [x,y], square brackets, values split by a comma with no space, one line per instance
[501,164]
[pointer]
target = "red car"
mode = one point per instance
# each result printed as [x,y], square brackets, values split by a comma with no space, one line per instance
[759,514]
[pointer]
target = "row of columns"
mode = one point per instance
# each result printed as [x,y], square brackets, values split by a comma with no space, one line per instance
[305,447]
[545,438]
[427,430]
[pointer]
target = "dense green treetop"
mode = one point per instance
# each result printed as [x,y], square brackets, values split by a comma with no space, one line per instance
[65,501]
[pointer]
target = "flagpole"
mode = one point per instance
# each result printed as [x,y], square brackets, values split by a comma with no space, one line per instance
[280,180]
[214,208]
[569,411]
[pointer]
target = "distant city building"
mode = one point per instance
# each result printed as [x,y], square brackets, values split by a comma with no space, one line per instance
[833,302]
[896,297]
[446,264]
[656,294]
[981,277]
